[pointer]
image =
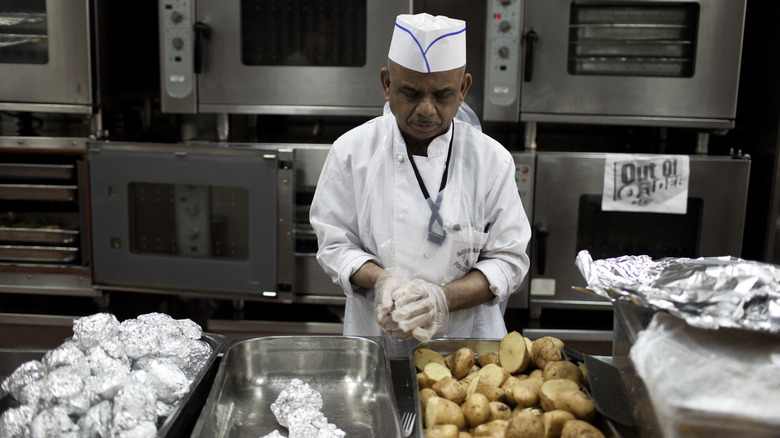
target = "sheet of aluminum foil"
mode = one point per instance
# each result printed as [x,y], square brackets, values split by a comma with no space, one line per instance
[707,292]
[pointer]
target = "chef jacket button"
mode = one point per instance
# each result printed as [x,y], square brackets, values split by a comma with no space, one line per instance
[400,217]
[400,158]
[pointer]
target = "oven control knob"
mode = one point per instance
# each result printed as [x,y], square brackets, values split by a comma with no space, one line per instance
[503,52]
[177,17]
[504,26]
[506,2]
[177,43]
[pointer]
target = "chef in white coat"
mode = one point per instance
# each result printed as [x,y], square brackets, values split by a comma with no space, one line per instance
[417,213]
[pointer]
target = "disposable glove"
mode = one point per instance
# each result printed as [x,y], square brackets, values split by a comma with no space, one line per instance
[420,309]
[388,281]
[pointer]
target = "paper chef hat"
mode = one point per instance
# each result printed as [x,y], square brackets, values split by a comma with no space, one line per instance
[428,44]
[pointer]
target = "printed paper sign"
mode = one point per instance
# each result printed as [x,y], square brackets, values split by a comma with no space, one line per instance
[646,183]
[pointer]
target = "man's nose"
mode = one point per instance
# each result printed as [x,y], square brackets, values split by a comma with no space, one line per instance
[426,107]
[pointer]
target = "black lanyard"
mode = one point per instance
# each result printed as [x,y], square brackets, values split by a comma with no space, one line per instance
[436,231]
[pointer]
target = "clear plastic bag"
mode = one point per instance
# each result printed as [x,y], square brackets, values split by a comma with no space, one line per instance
[710,383]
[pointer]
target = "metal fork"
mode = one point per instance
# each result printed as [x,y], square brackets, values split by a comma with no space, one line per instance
[407,423]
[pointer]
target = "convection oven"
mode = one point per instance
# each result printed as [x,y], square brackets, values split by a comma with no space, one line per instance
[632,62]
[74,56]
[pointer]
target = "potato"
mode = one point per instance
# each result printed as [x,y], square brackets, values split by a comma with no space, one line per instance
[546,349]
[580,429]
[536,374]
[513,353]
[553,422]
[495,429]
[548,394]
[424,356]
[439,410]
[425,394]
[464,434]
[450,389]
[460,362]
[508,388]
[562,369]
[494,374]
[482,385]
[435,371]
[576,402]
[529,346]
[423,381]
[489,357]
[441,431]
[499,411]
[476,409]
[524,424]
[526,392]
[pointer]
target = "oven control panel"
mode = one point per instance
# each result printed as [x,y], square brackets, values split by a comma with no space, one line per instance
[502,62]
[524,176]
[177,55]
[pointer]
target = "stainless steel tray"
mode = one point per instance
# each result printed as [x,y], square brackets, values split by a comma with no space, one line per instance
[352,374]
[180,422]
[44,254]
[38,235]
[37,171]
[33,192]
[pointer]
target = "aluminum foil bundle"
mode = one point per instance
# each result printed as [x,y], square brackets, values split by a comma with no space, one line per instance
[708,292]
[298,409]
[109,379]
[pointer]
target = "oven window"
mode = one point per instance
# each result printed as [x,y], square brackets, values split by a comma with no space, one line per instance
[189,220]
[323,33]
[24,37]
[633,39]
[607,234]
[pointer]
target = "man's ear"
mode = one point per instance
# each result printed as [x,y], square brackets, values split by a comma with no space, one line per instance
[384,76]
[465,85]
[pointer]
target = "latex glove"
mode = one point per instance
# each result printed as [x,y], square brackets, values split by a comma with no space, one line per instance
[420,309]
[386,284]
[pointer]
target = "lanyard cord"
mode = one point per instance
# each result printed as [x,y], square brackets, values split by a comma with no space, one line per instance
[446,168]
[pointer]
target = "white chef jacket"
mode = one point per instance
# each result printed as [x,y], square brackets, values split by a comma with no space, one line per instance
[368,206]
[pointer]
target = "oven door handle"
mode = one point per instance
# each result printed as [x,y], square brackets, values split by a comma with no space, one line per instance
[202,33]
[530,39]
[540,237]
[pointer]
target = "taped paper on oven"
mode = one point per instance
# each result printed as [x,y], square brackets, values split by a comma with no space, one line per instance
[646,183]
[707,292]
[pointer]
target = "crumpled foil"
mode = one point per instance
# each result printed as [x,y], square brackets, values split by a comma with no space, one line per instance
[707,292]
[110,379]
[298,409]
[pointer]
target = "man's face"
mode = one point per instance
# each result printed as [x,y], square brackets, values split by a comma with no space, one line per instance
[424,103]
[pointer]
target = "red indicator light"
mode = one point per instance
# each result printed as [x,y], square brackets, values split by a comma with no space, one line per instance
[497,16]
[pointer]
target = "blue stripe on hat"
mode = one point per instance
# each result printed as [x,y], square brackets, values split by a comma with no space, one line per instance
[425,52]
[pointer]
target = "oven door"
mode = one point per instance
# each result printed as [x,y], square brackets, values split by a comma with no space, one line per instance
[661,62]
[280,57]
[568,218]
[186,218]
[45,56]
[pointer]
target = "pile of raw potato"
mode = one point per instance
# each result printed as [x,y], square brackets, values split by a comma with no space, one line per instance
[525,390]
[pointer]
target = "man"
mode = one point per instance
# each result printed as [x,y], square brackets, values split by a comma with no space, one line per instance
[417,214]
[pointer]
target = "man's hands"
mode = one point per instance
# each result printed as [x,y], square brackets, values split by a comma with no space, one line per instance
[406,309]
[420,309]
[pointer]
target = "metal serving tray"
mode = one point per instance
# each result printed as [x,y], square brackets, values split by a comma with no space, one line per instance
[24,171]
[43,254]
[179,423]
[38,235]
[352,374]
